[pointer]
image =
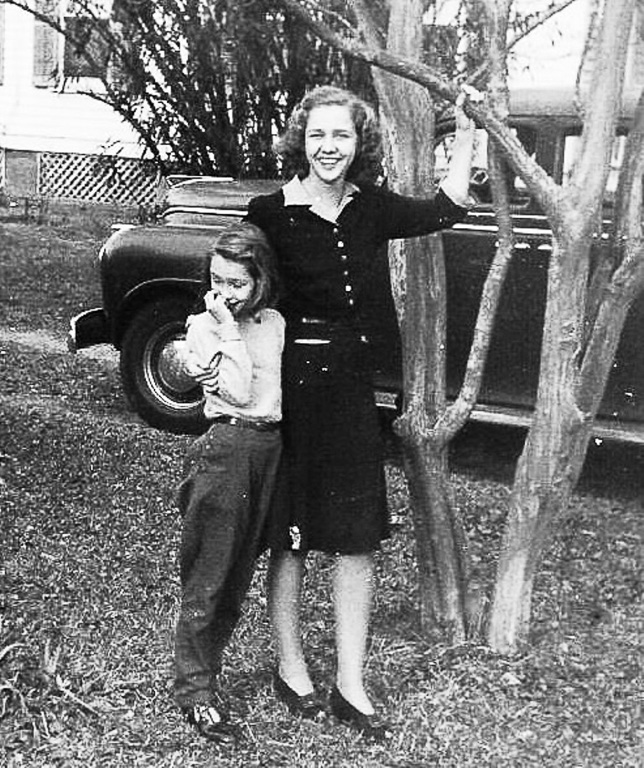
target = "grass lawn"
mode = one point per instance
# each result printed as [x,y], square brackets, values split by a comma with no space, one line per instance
[89,589]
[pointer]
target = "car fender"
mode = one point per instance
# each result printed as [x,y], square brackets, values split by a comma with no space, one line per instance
[145,293]
[141,264]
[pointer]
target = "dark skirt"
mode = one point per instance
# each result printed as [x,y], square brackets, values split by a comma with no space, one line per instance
[331,491]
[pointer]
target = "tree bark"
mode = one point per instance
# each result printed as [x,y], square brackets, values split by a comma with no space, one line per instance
[440,539]
[418,275]
[418,278]
[553,454]
[568,394]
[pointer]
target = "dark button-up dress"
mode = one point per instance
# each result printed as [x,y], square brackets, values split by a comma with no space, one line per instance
[333,494]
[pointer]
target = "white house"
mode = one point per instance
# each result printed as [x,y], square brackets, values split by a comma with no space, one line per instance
[56,142]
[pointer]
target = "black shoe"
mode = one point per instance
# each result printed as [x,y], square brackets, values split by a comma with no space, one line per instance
[211,724]
[309,706]
[370,726]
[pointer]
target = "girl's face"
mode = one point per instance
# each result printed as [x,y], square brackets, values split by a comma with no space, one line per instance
[330,142]
[231,281]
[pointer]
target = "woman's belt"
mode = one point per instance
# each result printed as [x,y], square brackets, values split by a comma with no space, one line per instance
[320,330]
[237,421]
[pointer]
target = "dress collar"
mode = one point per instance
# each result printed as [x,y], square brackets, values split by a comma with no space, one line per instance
[296,194]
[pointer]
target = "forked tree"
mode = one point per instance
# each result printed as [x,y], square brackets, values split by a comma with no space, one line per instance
[587,302]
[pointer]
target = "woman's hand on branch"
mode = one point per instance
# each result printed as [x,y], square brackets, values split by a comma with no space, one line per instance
[457,181]
[463,122]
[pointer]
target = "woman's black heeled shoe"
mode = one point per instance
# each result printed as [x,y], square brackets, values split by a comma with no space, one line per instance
[370,726]
[309,706]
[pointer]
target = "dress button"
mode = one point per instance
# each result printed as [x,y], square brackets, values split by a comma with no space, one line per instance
[340,244]
[343,256]
[348,288]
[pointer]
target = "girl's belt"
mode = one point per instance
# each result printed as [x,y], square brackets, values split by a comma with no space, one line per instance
[237,421]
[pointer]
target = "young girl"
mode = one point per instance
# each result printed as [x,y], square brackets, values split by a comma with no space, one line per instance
[233,350]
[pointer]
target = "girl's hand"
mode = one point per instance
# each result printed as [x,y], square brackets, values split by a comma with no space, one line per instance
[216,305]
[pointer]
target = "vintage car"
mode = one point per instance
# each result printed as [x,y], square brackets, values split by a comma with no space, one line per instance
[153,275]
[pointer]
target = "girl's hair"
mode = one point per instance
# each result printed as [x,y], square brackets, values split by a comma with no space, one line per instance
[367,165]
[246,244]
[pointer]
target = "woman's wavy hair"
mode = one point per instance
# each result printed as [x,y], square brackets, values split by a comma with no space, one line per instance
[246,244]
[367,165]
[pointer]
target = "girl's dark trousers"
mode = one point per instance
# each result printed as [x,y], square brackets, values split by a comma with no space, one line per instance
[224,499]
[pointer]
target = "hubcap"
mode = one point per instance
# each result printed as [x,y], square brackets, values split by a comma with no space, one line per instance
[165,375]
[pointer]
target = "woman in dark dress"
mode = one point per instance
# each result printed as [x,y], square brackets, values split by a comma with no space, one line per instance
[327,226]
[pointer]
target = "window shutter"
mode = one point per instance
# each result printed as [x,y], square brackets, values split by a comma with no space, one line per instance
[45,45]
[2,44]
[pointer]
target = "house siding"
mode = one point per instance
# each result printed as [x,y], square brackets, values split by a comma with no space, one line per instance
[55,143]
[34,116]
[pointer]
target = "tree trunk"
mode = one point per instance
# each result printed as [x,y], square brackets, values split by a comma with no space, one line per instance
[538,498]
[567,399]
[554,451]
[440,538]
[418,279]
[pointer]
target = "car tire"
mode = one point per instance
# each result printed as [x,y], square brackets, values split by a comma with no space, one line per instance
[155,383]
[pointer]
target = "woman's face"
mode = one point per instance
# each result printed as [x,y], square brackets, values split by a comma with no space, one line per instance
[330,142]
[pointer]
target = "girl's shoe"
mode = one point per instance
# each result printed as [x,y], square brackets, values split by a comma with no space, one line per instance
[309,706]
[370,726]
[211,724]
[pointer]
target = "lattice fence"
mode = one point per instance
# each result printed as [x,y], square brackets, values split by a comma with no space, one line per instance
[96,179]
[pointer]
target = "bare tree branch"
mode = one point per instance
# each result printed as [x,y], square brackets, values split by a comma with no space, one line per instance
[540,20]
[410,70]
[457,414]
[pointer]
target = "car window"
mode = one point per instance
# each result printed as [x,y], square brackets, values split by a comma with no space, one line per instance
[572,144]
[480,189]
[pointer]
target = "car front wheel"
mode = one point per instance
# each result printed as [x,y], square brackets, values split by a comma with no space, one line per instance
[154,380]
